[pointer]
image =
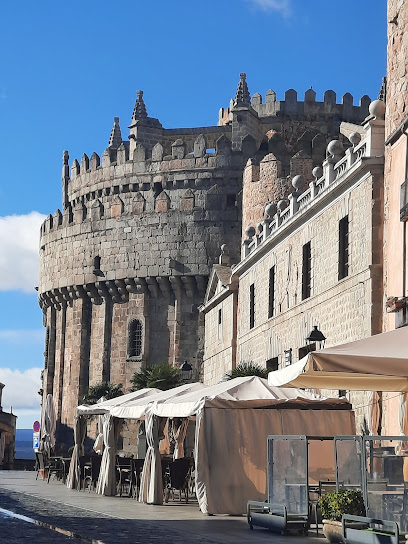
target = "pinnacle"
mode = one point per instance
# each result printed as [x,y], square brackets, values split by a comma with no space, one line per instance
[139,111]
[116,136]
[242,97]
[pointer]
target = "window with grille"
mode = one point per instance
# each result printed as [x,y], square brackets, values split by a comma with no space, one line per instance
[252,306]
[343,247]
[306,271]
[135,338]
[219,333]
[271,300]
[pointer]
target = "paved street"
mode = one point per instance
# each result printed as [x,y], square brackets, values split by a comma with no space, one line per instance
[92,518]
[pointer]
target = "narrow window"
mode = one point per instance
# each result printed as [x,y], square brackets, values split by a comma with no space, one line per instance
[97,263]
[219,324]
[271,300]
[306,271]
[231,202]
[47,347]
[252,306]
[135,338]
[272,364]
[343,247]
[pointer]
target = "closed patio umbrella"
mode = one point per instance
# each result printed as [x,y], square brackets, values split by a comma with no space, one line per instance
[74,475]
[107,481]
[151,484]
[47,441]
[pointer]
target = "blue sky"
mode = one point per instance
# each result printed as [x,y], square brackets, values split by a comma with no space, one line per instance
[68,68]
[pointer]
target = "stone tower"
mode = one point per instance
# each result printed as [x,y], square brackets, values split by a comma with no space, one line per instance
[124,265]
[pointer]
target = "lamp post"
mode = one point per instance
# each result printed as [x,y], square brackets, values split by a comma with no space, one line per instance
[186,372]
[314,337]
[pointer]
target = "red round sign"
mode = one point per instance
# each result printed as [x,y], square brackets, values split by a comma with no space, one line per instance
[36,426]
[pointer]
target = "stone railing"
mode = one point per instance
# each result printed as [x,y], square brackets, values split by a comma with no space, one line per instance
[334,171]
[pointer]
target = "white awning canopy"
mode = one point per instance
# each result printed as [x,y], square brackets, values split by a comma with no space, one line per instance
[137,408]
[378,363]
[105,406]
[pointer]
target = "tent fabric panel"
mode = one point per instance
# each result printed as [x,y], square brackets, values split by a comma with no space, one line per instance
[318,422]
[231,458]
[231,455]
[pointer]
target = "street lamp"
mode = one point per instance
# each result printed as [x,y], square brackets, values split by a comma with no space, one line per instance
[314,337]
[186,372]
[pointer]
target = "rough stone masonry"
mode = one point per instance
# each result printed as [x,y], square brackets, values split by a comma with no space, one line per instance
[124,264]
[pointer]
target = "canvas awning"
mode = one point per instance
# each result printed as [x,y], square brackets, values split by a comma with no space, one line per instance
[137,408]
[246,392]
[105,406]
[377,363]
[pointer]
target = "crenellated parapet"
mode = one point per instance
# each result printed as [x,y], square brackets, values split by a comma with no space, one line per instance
[291,106]
[121,170]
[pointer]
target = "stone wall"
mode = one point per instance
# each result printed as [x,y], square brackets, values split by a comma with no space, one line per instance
[396,153]
[219,340]
[354,301]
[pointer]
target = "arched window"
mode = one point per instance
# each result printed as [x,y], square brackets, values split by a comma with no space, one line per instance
[135,338]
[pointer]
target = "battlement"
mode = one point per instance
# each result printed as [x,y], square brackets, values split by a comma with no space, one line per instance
[122,169]
[337,170]
[291,106]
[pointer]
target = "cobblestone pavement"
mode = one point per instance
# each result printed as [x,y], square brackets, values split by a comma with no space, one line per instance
[107,530]
[94,519]
[15,531]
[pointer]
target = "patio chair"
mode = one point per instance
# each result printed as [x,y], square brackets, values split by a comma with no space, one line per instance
[55,467]
[137,466]
[91,472]
[124,475]
[178,478]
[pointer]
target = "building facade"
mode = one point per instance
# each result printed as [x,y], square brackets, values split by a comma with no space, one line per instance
[125,264]
[315,259]
[8,422]
[396,190]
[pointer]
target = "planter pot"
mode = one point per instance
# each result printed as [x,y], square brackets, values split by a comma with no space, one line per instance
[332,530]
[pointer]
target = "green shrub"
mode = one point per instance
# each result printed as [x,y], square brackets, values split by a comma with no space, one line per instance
[162,376]
[102,389]
[346,501]
[247,369]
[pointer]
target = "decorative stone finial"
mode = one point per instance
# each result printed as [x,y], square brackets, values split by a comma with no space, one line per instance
[242,97]
[224,258]
[270,210]
[382,95]
[116,136]
[317,172]
[377,109]
[250,232]
[335,148]
[355,138]
[282,205]
[297,182]
[65,158]
[139,111]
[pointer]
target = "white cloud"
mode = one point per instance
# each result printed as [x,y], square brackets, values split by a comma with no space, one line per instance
[19,241]
[21,390]
[17,336]
[281,6]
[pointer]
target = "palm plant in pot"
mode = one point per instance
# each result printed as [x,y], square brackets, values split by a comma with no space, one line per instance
[334,505]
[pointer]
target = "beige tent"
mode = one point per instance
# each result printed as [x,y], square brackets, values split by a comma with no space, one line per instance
[378,363]
[233,420]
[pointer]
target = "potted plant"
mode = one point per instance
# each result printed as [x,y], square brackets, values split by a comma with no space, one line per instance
[334,505]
